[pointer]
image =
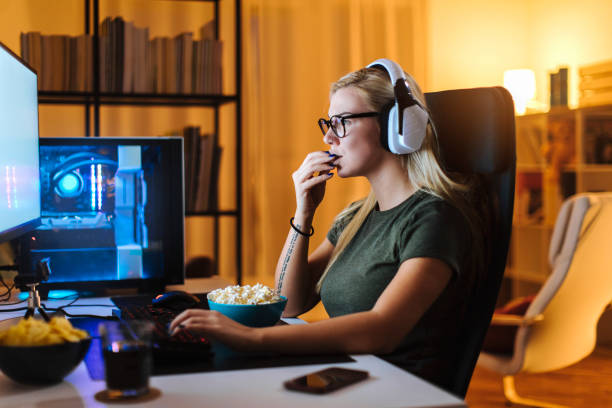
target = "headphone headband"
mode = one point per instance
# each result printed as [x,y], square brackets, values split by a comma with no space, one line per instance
[395,71]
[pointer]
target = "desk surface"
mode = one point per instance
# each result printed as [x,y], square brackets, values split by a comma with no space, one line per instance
[388,386]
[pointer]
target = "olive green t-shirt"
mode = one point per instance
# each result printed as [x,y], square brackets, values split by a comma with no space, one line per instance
[422,226]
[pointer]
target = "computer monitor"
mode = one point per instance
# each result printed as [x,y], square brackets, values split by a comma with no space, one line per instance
[19,180]
[112,213]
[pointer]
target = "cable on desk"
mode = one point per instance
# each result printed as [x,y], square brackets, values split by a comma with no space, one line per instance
[6,295]
[71,304]
[18,309]
[13,303]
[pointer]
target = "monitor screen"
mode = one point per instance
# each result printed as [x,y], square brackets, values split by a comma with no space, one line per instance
[19,182]
[112,212]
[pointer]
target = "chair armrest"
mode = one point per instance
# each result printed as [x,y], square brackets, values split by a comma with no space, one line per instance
[514,320]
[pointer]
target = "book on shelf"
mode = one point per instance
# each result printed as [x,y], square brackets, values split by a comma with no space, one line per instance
[202,159]
[68,57]
[129,61]
[191,136]
[213,180]
[207,145]
[558,87]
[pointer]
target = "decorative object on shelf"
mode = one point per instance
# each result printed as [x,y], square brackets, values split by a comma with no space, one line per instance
[598,138]
[596,84]
[522,86]
[560,147]
[529,198]
[558,88]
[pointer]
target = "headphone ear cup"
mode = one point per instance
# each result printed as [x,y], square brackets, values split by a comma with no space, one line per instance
[383,120]
[415,120]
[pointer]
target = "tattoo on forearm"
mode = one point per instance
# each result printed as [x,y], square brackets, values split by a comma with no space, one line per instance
[287,258]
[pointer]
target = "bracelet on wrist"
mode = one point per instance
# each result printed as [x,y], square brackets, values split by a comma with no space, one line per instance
[301,232]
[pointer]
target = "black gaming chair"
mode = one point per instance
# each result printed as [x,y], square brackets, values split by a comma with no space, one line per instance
[476,135]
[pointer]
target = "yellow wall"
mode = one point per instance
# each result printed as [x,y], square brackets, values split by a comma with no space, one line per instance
[472,42]
[571,33]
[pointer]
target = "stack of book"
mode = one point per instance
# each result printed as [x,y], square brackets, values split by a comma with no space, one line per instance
[202,160]
[63,63]
[558,88]
[596,84]
[130,62]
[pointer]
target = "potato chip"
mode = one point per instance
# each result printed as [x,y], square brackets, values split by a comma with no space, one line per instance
[36,332]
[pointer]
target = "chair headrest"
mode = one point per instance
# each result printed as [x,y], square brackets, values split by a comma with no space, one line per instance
[475,128]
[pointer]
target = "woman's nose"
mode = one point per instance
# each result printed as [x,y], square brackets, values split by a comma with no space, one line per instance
[330,137]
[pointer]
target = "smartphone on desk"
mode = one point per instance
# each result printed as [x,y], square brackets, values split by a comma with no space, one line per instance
[327,380]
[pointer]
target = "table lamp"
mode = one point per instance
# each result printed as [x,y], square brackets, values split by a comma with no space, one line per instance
[521,85]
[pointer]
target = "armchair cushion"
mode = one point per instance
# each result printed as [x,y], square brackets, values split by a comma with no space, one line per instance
[500,338]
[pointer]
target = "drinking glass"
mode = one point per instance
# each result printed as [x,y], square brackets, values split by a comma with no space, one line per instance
[126,347]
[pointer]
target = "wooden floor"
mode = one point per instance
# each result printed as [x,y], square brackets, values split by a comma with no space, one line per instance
[585,384]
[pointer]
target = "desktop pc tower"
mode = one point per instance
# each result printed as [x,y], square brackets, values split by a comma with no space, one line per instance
[112,213]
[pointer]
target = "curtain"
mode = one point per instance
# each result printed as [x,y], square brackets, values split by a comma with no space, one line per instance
[292,51]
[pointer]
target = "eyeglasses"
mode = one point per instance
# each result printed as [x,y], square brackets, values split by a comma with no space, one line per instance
[337,122]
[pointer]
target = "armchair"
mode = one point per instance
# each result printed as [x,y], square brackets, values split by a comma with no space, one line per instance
[560,325]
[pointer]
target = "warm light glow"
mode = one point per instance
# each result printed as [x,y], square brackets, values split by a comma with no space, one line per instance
[521,84]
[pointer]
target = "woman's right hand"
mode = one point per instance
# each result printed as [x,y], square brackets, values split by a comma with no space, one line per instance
[310,179]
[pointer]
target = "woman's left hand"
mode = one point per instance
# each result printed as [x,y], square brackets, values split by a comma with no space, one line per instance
[215,326]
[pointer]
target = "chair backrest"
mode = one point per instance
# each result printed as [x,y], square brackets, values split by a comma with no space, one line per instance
[577,291]
[476,135]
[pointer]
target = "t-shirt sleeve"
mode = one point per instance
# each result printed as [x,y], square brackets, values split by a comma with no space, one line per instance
[438,230]
[334,232]
[337,227]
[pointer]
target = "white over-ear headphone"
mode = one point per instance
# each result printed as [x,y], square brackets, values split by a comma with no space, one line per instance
[403,122]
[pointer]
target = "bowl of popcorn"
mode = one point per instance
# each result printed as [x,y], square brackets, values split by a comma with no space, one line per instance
[254,306]
[33,351]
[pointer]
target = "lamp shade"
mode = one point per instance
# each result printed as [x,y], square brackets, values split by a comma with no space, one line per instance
[521,85]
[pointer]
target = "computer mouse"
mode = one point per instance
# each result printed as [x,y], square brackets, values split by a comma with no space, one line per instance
[176,300]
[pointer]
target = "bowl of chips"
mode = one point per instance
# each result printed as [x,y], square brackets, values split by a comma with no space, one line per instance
[33,351]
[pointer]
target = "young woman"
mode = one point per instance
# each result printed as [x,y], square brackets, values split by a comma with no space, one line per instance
[395,267]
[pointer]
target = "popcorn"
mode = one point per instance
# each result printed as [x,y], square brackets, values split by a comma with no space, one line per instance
[257,294]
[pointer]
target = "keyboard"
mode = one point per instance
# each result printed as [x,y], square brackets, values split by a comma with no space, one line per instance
[183,345]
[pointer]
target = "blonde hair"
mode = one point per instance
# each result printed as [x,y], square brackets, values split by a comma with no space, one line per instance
[423,166]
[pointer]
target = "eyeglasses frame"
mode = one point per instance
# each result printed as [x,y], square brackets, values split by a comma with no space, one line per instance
[328,123]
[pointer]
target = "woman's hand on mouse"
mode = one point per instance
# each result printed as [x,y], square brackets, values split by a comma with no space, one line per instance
[215,326]
[309,180]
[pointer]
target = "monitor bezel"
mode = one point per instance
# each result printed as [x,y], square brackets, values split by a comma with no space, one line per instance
[174,247]
[28,226]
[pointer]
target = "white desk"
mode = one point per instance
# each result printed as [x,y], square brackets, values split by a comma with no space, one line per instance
[388,386]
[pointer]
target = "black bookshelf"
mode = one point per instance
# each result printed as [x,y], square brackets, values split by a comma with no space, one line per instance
[92,101]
